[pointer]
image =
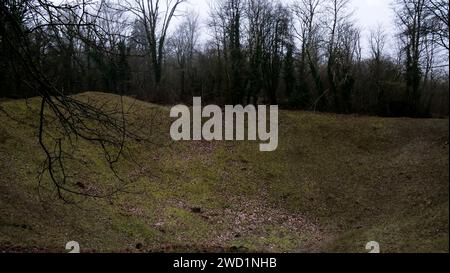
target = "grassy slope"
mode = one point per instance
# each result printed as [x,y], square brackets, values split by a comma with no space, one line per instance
[335,183]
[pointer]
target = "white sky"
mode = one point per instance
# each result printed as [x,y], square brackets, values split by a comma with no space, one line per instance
[368,15]
[373,13]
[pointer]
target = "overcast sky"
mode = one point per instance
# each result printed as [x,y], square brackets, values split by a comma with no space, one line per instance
[368,14]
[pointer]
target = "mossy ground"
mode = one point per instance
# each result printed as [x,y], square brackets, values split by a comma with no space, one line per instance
[335,183]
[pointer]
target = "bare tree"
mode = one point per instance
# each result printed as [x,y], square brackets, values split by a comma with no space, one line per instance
[259,16]
[439,10]
[227,23]
[308,31]
[377,43]
[62,120]
[155,17]
[183,43]
[413,22]
[279,37]
[341,33]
